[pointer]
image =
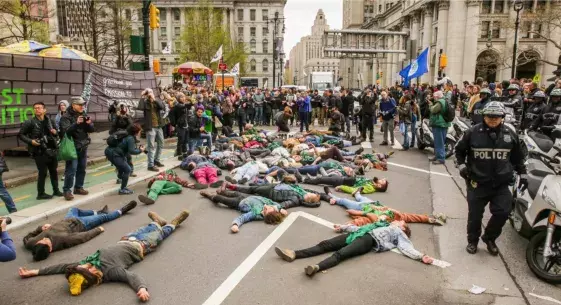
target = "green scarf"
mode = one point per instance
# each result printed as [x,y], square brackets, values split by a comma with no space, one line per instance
[332,142]
[307,158]
[370,157]
[274,145]
[258,209]
[367,208]
[333,165]
[361,181]
[299,190]
[251,131]
[365,230]
[92,259]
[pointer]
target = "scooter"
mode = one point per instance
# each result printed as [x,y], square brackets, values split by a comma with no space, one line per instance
[425,138]
[536,215]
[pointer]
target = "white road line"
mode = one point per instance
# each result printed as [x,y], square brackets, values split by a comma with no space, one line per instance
[419,169]
[222,292]
[545,298]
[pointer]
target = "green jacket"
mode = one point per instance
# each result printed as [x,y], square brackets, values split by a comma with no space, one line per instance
[436,110]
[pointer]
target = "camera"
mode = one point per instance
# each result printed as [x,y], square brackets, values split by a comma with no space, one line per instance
[8,219]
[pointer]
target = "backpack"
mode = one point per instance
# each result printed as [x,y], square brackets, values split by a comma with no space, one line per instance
[115,139]
[449,113]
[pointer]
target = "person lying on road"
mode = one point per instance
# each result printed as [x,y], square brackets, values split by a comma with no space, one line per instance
[287,195]
[251,207]
[349,185]
[111,264]
[77,227]
[377,237]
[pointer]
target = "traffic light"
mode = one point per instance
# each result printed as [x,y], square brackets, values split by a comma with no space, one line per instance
[156,66]
[443,61]
[154,17]
[381,74]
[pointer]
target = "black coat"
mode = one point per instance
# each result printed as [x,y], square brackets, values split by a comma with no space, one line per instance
[33,129]
[348,103]
[195,124]
[122,122]
[78,132]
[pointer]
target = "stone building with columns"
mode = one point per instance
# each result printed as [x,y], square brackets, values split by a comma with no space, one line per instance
[476,36]
[307,57]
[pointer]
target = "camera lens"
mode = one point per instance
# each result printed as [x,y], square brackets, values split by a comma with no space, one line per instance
[8,220]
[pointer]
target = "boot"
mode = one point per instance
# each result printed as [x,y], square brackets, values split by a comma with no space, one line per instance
[286,254]
[146,200]
[199,186]
[359,151]
[80,191]
[157,219]
[129,206]
[311,270]
[323,172]
[298,177]
[231,180]
[326,190]
[217,184]
[104,210]
[471,248]
[58,193]
[180,218]
[243,181]
[206,194]
[491,246]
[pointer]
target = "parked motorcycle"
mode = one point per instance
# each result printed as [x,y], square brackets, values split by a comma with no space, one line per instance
[460,125]
[425,138]
[536,212]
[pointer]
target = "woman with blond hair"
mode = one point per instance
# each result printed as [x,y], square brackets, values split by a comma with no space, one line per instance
[474,98]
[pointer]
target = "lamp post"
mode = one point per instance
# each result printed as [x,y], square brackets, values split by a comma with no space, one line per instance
[517,5]
[274,22]
[281,67]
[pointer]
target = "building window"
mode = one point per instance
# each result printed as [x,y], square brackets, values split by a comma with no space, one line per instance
[177,46]
[265,65]
[434,35]
[252,65]
[252,15]
[265,46]
[525,29]
[499,7]
[486,7]
[128,14]
[379,9]
[240,32]
[164,44]
[177,31]
[496,30]
[240,14]
[265,14]
[265,82]
[537,28]
[252,46]
[163,15]
[176,14]
[485,26]
[252,31]
[265,31]
[163,31]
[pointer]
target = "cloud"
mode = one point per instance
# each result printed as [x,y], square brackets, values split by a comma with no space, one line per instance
[300,16]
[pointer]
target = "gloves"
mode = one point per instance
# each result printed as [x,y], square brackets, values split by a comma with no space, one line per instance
[464,172]
[523,182]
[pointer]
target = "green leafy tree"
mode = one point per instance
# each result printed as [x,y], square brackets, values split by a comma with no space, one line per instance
[24,20]
[205,33]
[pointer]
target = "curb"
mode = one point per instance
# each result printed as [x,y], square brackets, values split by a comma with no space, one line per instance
[15,182]
[84,201]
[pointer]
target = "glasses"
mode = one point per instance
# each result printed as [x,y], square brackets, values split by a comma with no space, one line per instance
[494,116]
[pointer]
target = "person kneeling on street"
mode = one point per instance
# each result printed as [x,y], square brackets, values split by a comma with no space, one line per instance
[77,227]
[251,207]
[376,237]
[281,119]
[111,264]
[121,145]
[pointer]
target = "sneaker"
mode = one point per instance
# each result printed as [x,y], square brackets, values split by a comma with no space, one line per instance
[68,196]
[44,196]
[199,186]
[358,191]
[243,181]
[217,184]
[471,248]
[125,191]
[384,143]
[311,270]
[359,151]
[153,169]
[158,164]
[58,193]
[157,219]
[438,162]
[491,246]
[104,210]
[326,190]
[129,206]
[286,254]
[180,218]
[441,216]
[81,191]
[231,180]
[146,200]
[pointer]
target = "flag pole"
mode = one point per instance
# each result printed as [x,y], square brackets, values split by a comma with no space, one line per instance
[221,61]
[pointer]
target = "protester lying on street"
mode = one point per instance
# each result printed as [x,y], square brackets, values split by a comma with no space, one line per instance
[166,183]
[377,237]
[247,172]
[287,195]
[251,207]
[77,227]
[374,160]
[206,174]
[7,249]
[365,211]
[350,184]
[121,145]
[314,170]
[111,264]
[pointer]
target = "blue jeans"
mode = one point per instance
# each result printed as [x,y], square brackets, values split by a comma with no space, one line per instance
[154,145]
[351,204]
[5,196]
[439,134]
[194,143]
[313,170]
[76,169]
[413,132]
[89,220]
[123,168]
[208,138]
[406,135]
[151,235]
[259,115]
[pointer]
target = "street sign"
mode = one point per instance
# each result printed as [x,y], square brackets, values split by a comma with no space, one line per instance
[222,66]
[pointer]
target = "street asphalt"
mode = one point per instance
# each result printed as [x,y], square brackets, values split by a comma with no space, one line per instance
[203,262]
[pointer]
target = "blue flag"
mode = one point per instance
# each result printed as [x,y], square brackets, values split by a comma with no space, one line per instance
[417,68]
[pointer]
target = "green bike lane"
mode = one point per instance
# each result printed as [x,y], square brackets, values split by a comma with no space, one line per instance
[25,195]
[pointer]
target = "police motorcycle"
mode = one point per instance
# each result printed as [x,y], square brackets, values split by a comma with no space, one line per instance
[460,126]
[426,139]
[536,213]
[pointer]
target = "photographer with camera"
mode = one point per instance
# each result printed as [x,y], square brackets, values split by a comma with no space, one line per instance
[40,135]
[77,125]
[122,119]
[7,249]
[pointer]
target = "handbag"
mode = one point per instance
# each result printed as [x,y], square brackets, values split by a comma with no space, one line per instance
[67,150]
[217,122]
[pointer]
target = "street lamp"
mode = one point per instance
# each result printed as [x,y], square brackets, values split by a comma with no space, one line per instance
[281,67]
[295,77]
[274,22]
[517,5]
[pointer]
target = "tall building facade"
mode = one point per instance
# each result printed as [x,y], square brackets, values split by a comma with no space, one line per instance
[307,55]
[477,36]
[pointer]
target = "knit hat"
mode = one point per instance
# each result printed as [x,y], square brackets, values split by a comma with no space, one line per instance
[64,102]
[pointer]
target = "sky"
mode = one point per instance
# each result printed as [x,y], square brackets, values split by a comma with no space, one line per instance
[300,15]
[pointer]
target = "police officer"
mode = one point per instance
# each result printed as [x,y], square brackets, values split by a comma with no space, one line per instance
[534,108]
[476,117]
[514,97]
[368,113]
[549,116]
[487,156]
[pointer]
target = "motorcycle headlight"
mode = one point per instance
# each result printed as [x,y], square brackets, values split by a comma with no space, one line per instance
[546,197]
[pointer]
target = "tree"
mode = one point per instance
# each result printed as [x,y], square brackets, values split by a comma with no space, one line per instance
[24,20]
[205,33]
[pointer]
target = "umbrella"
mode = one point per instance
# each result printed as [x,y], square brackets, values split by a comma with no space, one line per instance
[24,47]
[192,67]
[61,51]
